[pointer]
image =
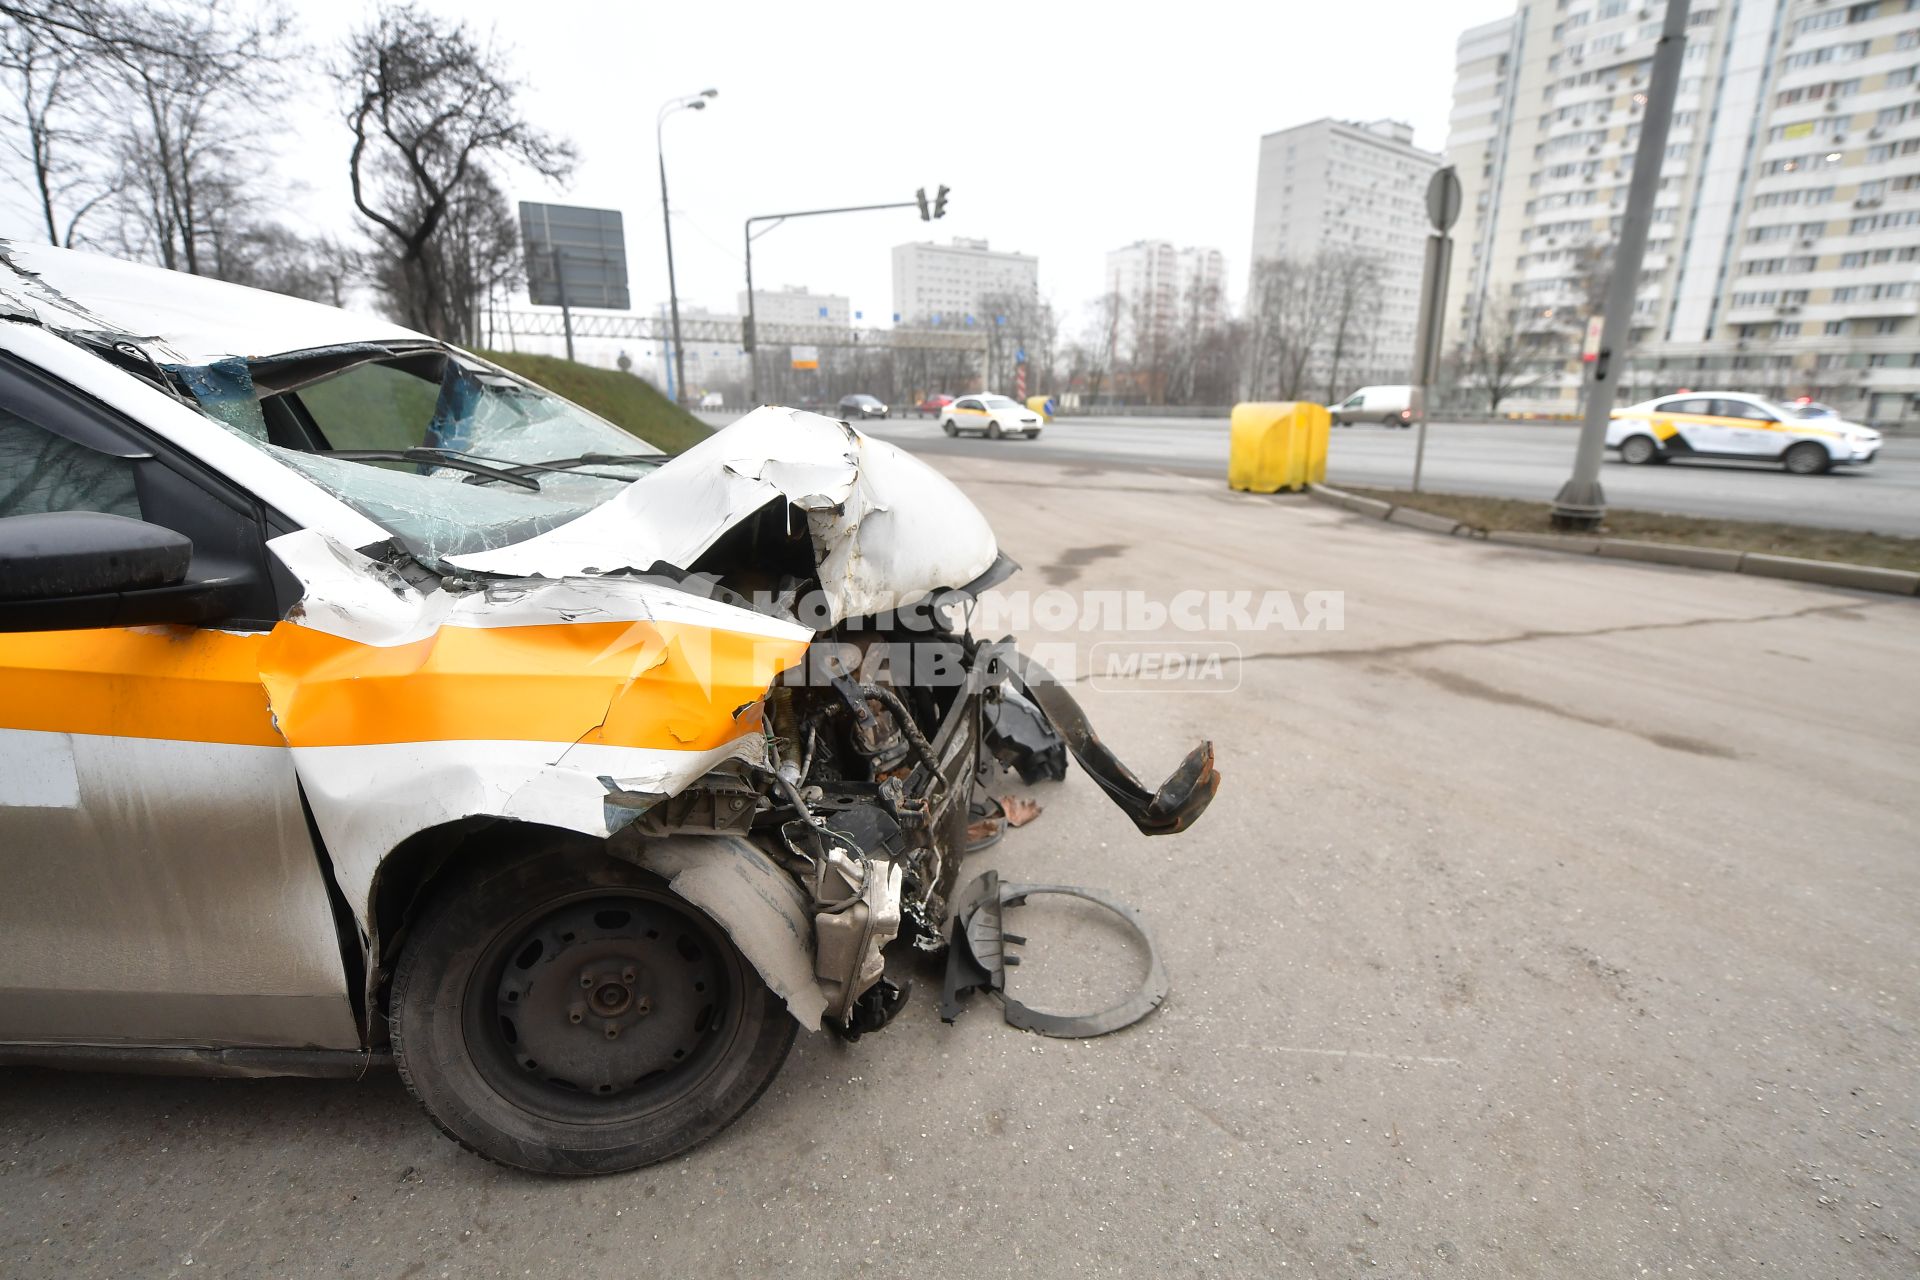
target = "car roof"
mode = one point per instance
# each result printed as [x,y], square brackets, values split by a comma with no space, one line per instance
[196,319]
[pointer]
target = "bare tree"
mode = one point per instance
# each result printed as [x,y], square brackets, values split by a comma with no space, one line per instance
[1498,357]
[88,28]
[1103,345]
[1288,321]
[194,95]
[47,88]
[428,108]
[475,253]
[1351,285]
[273,257]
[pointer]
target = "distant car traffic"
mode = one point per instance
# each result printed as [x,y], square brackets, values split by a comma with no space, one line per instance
[1733,424]
[713,400]
[990,416]
[933,405]
[862,407]
[1809,409]
[1388,406]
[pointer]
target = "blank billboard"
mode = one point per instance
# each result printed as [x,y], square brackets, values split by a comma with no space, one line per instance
[591,251]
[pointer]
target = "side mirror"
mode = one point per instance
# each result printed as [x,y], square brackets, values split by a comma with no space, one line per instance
[71,570]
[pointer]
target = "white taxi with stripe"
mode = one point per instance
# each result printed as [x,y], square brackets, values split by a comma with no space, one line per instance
[990,416]
[1737,425]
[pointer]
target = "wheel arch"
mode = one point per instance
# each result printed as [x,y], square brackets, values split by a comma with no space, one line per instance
[751,898]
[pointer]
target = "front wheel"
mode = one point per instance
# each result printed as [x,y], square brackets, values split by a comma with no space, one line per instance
[1033,435]
[1638,450]
[993,429]
[1807,459]
[564,1012]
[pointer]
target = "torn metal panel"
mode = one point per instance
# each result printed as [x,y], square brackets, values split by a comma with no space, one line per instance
[407,710]
[978,960]
[1178,802]
[887,529]
[759,905]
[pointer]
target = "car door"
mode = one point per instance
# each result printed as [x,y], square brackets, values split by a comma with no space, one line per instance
[1750,430]
[1689,426]
[162,885]
[1349,409]
[969,414]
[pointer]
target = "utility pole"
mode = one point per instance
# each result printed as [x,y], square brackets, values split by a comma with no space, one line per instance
[1581,504]
[566,312]
[749,328]
[1443,210]
[692,102]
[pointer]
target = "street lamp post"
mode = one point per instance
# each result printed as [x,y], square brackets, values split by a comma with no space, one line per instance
[1581,504]
[692,102]
[750,334]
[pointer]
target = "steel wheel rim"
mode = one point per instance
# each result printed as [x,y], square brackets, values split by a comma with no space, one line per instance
[537,1029]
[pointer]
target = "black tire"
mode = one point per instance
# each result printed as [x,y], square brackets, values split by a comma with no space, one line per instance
[562,950]
[1639,450]
[1391,420]
[1807,459]
[949,428]
[1033,435]
[993,429]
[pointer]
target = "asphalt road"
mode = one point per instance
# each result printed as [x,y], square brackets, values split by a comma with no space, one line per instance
[1556,917]
[1507,460]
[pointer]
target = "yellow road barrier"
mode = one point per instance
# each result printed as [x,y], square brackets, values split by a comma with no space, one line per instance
[1277,445]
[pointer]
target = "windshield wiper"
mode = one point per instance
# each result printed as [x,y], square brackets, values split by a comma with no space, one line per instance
[432,457]
[570,464]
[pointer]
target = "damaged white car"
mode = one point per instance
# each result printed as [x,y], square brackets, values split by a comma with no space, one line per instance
[361,701]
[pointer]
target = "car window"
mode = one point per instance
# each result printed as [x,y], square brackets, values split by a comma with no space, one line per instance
[372,406]
[42,472]
[1696,405]
[1742,409]
[471,410]
[996,402]
[1355,402]
[967,404]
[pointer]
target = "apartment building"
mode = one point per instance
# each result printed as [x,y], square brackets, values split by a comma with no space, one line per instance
[1335,185]
[1784,255]
[798,305]
[946,283]
[1160,286]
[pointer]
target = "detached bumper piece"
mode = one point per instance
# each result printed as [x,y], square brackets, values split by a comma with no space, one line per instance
[978,960]
[1175,806]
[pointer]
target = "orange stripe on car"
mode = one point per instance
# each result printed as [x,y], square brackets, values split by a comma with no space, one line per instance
[672,686]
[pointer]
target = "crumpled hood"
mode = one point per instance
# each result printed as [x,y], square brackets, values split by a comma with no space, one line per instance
[887,529]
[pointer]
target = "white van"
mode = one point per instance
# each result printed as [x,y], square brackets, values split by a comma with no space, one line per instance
[1388,406]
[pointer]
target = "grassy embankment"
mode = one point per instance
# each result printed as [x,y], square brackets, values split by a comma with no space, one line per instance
[1766,537]
[622,399]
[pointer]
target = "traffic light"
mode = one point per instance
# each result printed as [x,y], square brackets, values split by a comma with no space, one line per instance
[921,196]
[940,203]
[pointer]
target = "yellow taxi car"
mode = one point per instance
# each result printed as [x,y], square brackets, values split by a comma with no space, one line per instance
[991,416]
[362,703]
[1736,425]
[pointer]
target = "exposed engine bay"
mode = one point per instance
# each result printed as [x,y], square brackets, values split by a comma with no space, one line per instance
[880,752]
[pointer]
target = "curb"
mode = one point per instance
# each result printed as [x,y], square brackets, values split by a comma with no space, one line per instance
[1830,573]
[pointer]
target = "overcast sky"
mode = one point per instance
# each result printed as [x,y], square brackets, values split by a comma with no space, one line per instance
[1065,130]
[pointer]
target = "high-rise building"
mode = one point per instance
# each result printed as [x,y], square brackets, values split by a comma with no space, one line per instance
[797,305]
[1160,286]
[946,283]
[1343,188]
[1784,256]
